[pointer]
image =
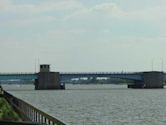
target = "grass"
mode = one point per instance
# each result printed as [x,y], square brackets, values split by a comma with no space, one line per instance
[6,111]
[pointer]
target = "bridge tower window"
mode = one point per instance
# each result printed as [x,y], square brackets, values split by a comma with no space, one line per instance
[44,68]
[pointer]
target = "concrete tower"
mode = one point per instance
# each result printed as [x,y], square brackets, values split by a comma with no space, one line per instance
[47,80]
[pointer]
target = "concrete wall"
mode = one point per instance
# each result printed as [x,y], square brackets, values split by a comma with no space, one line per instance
[153,79]
[48,80]
[137,84]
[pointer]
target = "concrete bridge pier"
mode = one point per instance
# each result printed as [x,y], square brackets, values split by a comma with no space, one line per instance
[152,79]
[48,80]
[137,84]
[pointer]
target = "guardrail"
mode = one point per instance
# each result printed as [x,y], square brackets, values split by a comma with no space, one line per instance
[29,112]
[19,123]
[98,73]
[17,73]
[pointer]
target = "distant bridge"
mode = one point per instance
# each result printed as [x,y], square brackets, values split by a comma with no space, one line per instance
[129,76]
[18,76]
[141,79]
[137,77]
[71,75]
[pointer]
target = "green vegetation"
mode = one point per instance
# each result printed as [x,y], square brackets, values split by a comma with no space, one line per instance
[6,111]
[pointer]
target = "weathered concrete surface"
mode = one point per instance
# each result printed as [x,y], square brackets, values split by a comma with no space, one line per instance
[137,84]
[48,80]
[152,79]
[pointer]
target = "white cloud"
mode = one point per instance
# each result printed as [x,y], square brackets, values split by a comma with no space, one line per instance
[104,9]
[111,10]
[107,8]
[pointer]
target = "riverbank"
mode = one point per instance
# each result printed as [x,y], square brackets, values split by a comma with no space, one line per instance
[6,111]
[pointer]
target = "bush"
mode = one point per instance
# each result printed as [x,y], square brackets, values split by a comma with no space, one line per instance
[6,112]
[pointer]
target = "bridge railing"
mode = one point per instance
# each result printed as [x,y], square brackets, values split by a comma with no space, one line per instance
[17,73]
[123,73]
[29,112]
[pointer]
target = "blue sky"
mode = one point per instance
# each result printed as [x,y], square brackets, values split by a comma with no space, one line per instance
[82,35]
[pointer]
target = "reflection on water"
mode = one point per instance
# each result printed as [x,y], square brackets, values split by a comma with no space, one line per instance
[98,104]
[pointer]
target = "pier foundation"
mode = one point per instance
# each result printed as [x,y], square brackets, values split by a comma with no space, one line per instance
[48,80]
[137,84]
[152,79]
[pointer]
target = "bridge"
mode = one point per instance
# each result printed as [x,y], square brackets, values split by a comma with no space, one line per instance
[129,76]
[53,80]
[18,76]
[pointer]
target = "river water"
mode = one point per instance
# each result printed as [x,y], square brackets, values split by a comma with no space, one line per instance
[98,104]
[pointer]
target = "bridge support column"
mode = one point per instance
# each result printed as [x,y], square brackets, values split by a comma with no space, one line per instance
[48,80]
[153,79]
[137,84]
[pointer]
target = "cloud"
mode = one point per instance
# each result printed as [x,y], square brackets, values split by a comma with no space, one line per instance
[9,6]
[112,10]
[107,8]
[104,9]
[25,14]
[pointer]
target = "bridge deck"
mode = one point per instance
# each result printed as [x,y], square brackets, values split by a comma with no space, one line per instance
[70,75]
[18,76]
[129,76]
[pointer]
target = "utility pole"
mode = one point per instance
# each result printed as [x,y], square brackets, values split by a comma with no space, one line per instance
[152,64]
[162,64]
